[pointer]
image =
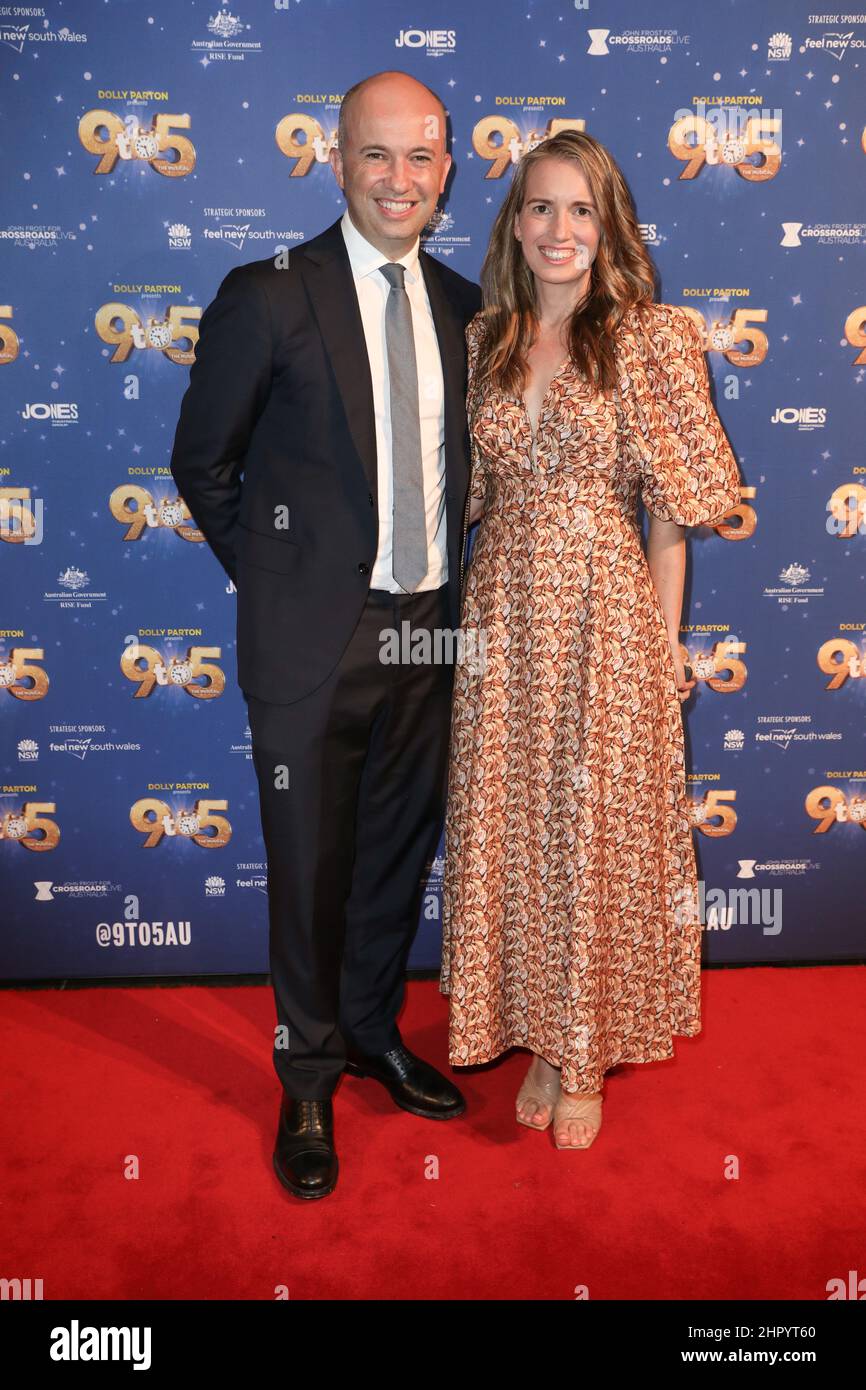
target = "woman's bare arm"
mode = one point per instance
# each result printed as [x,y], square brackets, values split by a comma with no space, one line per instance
[666,557]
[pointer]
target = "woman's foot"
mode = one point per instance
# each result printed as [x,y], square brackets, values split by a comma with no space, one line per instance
[538,1094]
[576,1120]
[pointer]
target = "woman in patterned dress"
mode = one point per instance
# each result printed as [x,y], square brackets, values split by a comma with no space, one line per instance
[570,909]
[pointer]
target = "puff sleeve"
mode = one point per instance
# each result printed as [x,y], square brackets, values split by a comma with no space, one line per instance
[474,336]
[688,473]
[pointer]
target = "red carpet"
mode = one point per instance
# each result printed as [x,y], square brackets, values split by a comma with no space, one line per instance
[181,1078]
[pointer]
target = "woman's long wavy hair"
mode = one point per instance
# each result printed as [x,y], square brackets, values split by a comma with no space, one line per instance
[622,276]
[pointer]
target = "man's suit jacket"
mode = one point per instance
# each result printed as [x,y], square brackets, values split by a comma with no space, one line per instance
[278,414]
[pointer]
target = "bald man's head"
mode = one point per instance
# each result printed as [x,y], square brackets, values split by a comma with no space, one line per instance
[391,160]
[397,82]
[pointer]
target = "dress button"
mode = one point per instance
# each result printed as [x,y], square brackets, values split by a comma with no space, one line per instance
[370,498]
[363,568]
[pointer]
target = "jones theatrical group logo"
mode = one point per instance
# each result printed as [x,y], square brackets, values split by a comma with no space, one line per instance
[58,412]
[805,417]
[435,42]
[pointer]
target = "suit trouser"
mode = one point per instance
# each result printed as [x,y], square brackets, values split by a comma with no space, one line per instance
[352,782]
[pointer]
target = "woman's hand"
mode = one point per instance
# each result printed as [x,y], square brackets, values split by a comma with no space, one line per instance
[476,507]
[684,687]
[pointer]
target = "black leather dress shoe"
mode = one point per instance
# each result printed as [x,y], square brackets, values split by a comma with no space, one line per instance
[412,1083]
[304,1158]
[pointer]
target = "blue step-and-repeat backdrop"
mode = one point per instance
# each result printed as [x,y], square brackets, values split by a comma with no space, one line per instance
[151,147]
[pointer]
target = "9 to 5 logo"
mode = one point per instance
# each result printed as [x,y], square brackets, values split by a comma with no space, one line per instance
[17,667]
[105,134]
[498,139]
[711,667]
[171,513]
[855,333]
[847,508]
[9,343]
[20,516]
[182,672]
[712,809]
[841,660]
[830,806]
[314,146]
[155,819]
[121,326]
[724,337]
[694,140]
[748,518]
[21,825]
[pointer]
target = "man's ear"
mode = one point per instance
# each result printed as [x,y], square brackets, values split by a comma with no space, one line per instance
[335,159]
[446,165]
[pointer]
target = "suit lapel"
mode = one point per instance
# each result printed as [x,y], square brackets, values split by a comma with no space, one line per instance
[331,288]
[329,282]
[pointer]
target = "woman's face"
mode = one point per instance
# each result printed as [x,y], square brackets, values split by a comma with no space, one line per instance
[558,225]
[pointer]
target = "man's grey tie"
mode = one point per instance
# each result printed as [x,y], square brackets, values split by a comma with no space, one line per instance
[409,559]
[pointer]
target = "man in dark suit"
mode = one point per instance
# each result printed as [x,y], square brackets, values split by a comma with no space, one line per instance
[322,449]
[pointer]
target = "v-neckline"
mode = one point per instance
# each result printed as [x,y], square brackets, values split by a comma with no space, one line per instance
[533,433]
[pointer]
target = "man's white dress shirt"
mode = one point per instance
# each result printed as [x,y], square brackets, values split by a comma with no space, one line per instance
[373,290]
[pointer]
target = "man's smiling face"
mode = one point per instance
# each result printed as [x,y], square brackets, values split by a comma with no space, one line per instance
[393,166]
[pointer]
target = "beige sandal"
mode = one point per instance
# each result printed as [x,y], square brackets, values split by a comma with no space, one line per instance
[577,1107]
[543,1093]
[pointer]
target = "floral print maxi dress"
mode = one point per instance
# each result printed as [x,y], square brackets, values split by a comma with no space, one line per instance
[570,916]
